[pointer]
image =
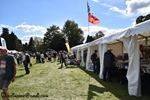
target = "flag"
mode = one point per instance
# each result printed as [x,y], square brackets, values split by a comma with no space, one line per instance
[68,47]
[88,8]
[92,19]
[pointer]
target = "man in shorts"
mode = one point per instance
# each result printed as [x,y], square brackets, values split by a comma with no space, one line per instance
[7,71]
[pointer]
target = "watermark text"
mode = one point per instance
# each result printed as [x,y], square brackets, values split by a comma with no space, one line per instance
[26,95]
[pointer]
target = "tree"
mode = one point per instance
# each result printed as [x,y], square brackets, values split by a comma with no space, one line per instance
[73,34]
[53,38]
[58,42]
[89,39]
[5,35]
[13,44]
[139,19]
[99,34]
[19,45]
[147,17]
[142,18]
[25,47]
[50,34]
[12,41]
[31,46]
[38,43]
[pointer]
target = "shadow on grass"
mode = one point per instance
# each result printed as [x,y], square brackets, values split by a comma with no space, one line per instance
[92,89]
[60,67]
[53,61]
[120,91]
[58,63]
[21,69]
[20,76]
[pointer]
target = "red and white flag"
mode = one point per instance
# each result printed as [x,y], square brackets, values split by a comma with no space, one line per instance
[92,19]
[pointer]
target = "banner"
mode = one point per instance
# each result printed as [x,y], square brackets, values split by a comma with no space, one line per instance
[68,47]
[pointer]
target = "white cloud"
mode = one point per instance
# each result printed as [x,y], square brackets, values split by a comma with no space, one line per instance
[26,28]
[94,29]
[26,38]
[95,0]
[30,28]
[138,6]
[133,7]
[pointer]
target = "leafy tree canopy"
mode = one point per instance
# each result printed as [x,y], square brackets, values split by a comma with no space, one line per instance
[73,34]
[142,18]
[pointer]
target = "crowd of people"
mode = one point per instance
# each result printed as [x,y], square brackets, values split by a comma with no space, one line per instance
[7,76]
[8,64]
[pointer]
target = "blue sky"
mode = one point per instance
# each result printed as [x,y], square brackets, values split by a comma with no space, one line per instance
[31,18]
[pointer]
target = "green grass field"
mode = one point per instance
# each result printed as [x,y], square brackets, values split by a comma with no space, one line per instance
[47,82]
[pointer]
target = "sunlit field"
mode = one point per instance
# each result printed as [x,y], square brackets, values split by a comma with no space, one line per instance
[47,81]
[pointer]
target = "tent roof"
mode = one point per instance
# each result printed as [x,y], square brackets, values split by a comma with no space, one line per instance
[142,30]
[81,46]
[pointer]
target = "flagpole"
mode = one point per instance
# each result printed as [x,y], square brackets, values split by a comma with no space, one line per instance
[88,11]
[88,28]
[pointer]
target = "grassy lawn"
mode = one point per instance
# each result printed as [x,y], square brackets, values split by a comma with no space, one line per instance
[68,83]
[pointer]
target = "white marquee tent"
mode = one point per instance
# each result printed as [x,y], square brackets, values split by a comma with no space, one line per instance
[129,37]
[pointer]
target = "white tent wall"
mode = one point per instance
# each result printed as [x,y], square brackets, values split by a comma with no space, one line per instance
[103,49]
[82,62]
[99,55]
[79,52]
[133,73]
[78,55]
[90,51]
[88,57]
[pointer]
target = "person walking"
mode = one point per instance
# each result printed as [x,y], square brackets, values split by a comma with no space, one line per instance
[63,59]
[26,63]
[94,60]
[85,57]
[42,58]
[7,71]
[109,59]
